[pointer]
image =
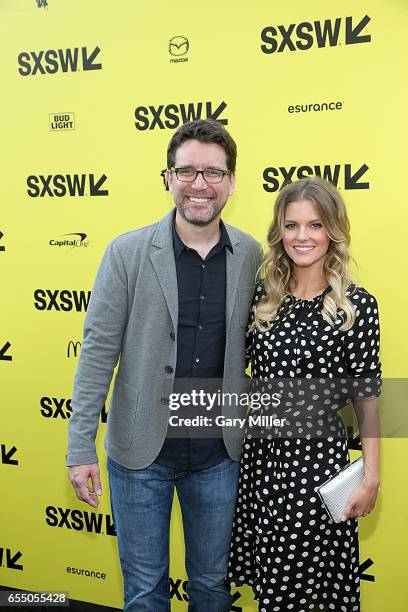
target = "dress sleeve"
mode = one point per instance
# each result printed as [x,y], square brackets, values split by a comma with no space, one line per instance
[362,346]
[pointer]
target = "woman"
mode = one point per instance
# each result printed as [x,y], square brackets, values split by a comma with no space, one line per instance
[309,322]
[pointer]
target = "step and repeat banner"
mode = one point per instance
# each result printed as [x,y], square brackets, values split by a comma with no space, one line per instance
[91,94]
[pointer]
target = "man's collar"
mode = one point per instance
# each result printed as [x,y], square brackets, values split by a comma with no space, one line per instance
[179,245]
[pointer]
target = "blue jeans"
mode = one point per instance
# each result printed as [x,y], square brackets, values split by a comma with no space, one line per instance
[141,507]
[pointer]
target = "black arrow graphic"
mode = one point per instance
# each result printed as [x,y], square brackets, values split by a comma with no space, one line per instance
[11,562]
[95,187]
[6,456]
[350,179]
[216,113]
[363,566]
[4,357]
[2,248]
[352,34]
[87,62]
[110,527]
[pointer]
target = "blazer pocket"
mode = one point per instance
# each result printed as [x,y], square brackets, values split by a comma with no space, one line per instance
[245,296]
[122,413]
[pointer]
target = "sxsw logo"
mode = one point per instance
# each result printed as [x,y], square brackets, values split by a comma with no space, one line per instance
[7,454]
[178,590]
[60,185]
[61,299]
[2,247]
[58,60]
[79,520]
[60,407]
[340,175]
[9,559]
[3,352]
[304,35]
[42,4]
[170,116]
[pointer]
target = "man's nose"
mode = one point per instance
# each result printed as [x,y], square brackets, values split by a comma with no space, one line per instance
[199,181]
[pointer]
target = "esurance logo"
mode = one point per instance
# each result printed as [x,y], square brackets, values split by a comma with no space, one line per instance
[79,520]
[343,176]
[52,61]
[61,299]
[305,35]
[170,116]
[61,185]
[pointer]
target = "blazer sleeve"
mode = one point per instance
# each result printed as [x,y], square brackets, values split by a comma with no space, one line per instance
[104,327]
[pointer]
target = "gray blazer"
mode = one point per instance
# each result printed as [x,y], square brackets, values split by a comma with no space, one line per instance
[132,315]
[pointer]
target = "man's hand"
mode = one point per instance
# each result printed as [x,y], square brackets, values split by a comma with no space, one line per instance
[79,476]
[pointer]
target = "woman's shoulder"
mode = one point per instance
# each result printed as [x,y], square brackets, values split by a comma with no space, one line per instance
[360,297]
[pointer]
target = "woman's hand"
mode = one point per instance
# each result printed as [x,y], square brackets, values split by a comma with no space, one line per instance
[362,501]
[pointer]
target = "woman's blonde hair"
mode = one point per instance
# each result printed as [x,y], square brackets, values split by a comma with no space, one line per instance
[276,267]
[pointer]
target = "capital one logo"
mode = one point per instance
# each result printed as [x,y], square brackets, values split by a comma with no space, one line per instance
[79,520]
[303,36]
[51,61]
[178,45]
[170,116]
[344,176]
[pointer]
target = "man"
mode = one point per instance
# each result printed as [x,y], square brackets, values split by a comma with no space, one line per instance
[171,300]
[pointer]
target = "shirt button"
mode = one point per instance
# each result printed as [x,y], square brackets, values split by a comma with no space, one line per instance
[197,360]
[201,297]
[168,369]
[172,335]
[164,400]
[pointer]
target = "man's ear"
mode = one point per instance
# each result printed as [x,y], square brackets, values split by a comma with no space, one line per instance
[169,177]
[231,178]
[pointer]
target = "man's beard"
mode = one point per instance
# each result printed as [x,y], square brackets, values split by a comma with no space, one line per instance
[213,212]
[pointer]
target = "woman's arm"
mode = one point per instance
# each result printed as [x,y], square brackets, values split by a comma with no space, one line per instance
[362,501]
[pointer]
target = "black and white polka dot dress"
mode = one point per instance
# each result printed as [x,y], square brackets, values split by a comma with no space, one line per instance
[283,543]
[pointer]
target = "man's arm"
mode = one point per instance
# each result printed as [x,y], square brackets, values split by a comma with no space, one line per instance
[105,323]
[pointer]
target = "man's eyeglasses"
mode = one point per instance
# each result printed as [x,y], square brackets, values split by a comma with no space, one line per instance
[210,175]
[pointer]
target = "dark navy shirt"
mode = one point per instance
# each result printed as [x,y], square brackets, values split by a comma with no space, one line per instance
[200,344]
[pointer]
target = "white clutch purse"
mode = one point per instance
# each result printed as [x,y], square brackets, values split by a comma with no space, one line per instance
[335,492]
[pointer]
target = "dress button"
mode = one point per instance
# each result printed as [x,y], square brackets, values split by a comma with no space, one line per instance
[197,360]
[200,327]
[201,297]
[172,335]
[168,369]
[164,400]
[203,266]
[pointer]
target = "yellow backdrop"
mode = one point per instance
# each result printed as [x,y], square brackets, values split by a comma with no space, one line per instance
[91,93]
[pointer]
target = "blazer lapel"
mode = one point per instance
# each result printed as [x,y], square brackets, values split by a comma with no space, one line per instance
[234,265]
[162,258]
